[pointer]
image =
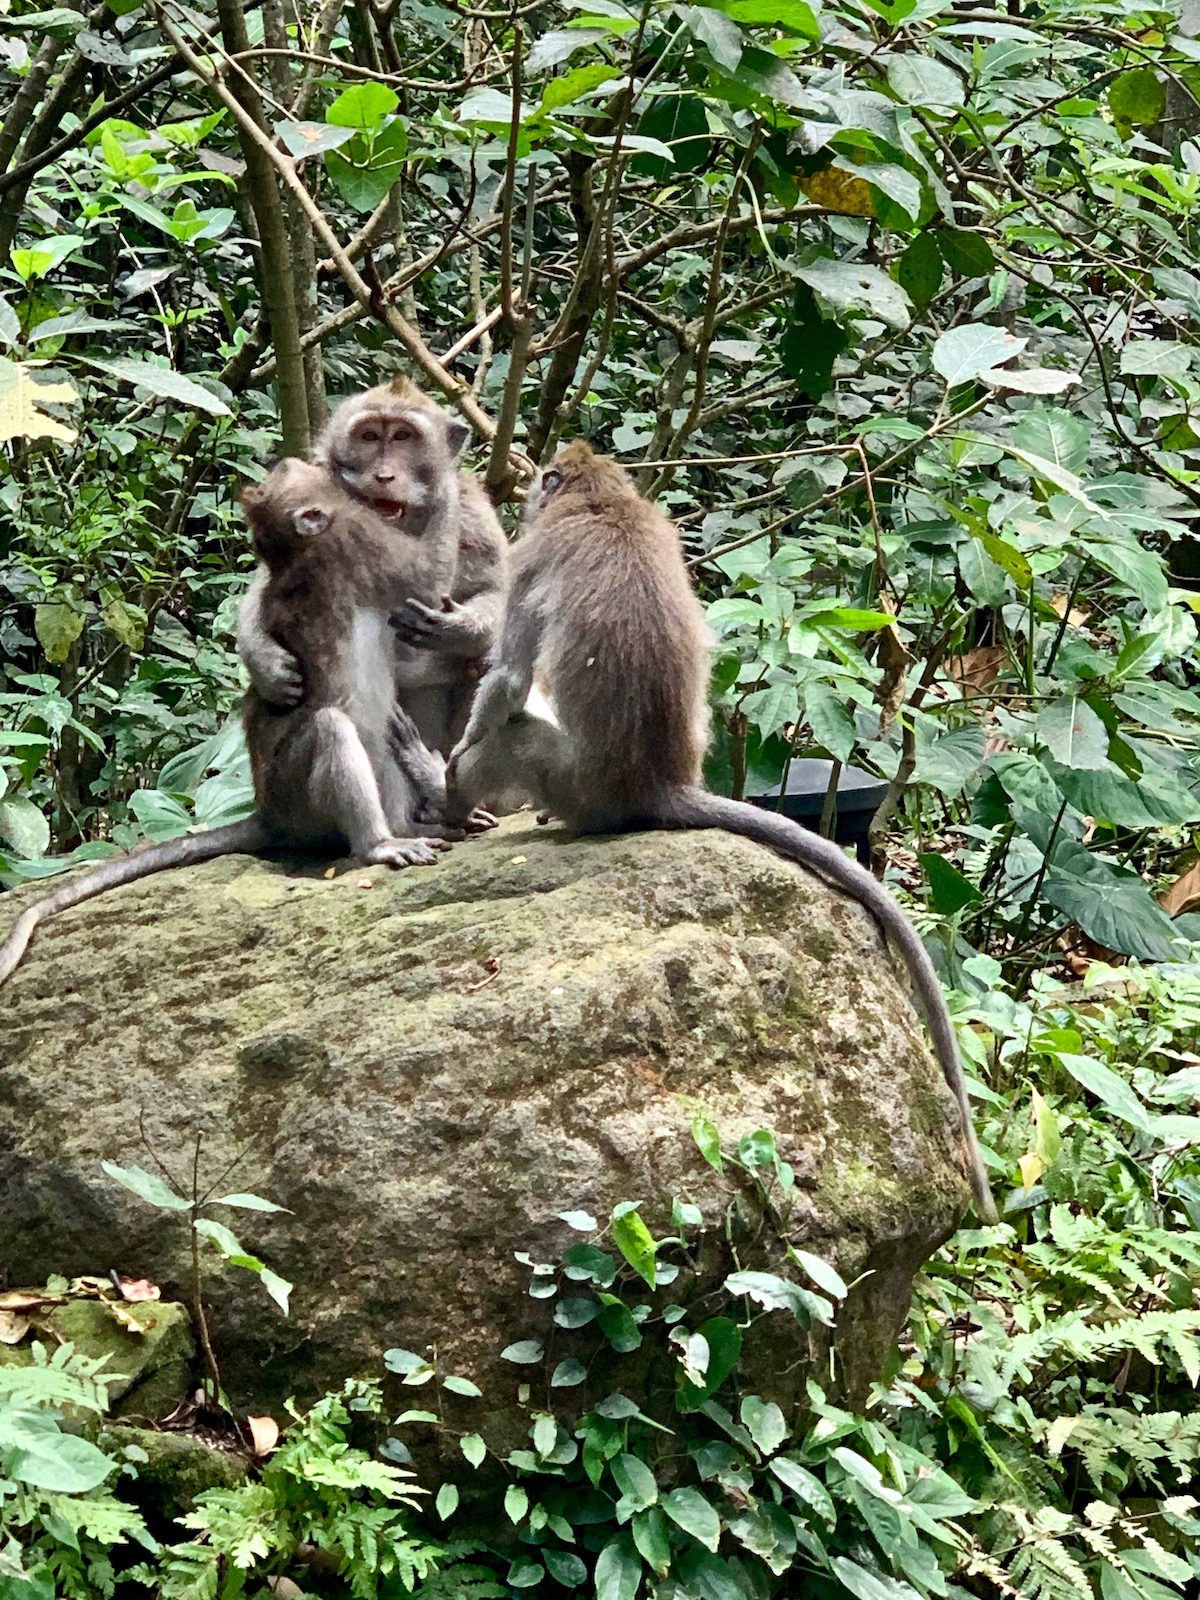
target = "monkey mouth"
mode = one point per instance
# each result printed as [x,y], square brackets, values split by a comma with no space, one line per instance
[393,510]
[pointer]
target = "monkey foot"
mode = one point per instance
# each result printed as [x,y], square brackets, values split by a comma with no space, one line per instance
[404,852]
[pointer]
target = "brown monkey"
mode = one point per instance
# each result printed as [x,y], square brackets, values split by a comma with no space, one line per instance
[348,766]
[438,644]
[600,604]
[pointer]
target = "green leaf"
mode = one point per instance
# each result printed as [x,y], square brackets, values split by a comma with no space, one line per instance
[363,172]
[545,1435]
[919,80]
[1111,1090]
[865,1585]
[965,253]
[635,1242]
[951,760]
[856,288]
[618,1570]
[146,1186]
[164,383]
[1137,97]
[447,1500]
[24,828]
[919,270]
[949,890]
[829,718]
[689,1510]
[576,1312]
[964,353]
[302,139]
[565,1567]
[473,1447]
[810,346]
[1116,911]
[649,1529]
[568,1374]
[33,1451]
[805,1486]
[708,1141]
[717,31]
[363,106]
[678,122]
[616,1323]
[764,1422]
[524,1353]
[36,260]
[462,1386]
[246,1202]
[795,16]
[1156,358]
[516,1503]
[525,1573]
[581,1221]
[1072,732]
[58,623]
[635,1481]
[1055,435]
[575,84]
[822,1274]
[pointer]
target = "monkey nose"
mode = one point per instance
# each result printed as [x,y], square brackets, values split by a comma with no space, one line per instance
[384,477]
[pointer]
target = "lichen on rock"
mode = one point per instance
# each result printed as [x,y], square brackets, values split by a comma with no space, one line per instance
[426,1067]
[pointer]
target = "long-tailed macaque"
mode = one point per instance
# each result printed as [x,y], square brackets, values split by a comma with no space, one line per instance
[348,768]
[601,606]
[436,646]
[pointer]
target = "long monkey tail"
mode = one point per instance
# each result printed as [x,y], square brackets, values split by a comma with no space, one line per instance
[236,837]
[696,808]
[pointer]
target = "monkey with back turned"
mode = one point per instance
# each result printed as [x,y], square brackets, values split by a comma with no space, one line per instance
[349,767]
[600,603]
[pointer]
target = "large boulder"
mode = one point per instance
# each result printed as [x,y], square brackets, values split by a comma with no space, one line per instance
[426,1067]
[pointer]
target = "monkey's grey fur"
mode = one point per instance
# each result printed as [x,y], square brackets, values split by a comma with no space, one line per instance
[601,605]
[439,644]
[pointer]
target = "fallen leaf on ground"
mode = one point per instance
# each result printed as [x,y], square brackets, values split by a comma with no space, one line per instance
[27,1300]
[13,1327]
[125,1317]
[136,1289]
[978,668]
[264,1433]
[1183,894]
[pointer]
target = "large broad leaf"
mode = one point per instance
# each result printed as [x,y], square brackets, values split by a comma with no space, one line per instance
[920,80]
[679,123]
[364,106]
[575,84]
[1073,733]
[966,253]
[1058,436]
[58,623]
[951,760]
[364,171]
[724,1340]
[164,383]
[1111,1090]
[33,1451]
[689,1510]
[795,15]
[967,352]
[810,345]
[856,289]
[635,1242]
[23,826]
[618,1570]
[919,270]
[1156,799]
[1140,570]
[718,32]
[1137,97]
[22,396]
[1115,910]
[302,139]
[866,1585]
[1156,358]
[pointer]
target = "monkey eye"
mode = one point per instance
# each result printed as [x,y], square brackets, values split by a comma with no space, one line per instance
[401,435]
[552,480]
[369,436]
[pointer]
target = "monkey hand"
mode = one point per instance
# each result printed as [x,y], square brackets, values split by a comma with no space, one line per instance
[480,821]
[275,674]
[425,627]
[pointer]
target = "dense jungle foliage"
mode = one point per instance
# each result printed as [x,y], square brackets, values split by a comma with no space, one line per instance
[892,304]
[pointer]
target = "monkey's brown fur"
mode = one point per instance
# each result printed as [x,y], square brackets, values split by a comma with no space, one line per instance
[601,607]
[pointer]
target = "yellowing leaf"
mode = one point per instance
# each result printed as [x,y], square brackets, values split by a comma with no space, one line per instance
[839,191]
[22,396]
[1031,1169]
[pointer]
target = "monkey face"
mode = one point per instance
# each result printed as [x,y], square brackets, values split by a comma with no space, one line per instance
[293,503]
[391,456]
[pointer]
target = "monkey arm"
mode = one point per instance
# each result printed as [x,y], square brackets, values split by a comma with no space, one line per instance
[505,689]
[274,671]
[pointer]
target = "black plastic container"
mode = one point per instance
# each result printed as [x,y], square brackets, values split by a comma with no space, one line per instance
[859,796]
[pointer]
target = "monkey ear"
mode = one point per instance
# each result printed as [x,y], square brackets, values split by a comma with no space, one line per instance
[309,521]
[552,482]
[457,434]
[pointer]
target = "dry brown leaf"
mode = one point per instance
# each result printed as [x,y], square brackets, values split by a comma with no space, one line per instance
[331,872]
[125,1317]
[264,1434]
[1183,894]
[978,668]
[895,659]
[27,1300]
[136,1290]
[366,883]
[13,1327]
[1075,617]
[90,1288]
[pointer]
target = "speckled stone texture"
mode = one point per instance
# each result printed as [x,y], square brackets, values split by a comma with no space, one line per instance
[425,1067]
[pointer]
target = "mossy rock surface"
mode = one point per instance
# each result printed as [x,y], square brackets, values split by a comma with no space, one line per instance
[172,1468]
[150,1369]
[426,1067]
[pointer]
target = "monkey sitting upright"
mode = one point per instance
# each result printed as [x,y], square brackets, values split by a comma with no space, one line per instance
[434,647]
[348,768]
[600,604]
